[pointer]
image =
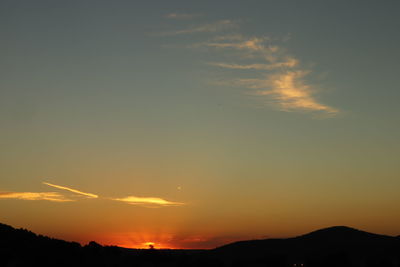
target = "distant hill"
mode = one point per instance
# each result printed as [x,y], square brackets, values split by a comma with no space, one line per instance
[337,246]
[342,234]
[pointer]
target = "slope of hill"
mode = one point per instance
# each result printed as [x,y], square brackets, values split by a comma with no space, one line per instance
[334,246]
[342,234]
[18,246]
[21,248]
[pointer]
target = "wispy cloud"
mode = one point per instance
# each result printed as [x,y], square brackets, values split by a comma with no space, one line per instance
[89,195]
[289,90]
[217,26]
[228,37]
[153,201]
[49,196]
[57,197]
[181,16]
[291,62]
[253,44]
[279,77]
[283,81]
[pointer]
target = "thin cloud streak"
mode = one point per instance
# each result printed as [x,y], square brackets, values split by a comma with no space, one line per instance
[133,200]
[49,196]
[289,63]
[212,27]
[89,195]
[250,47]
[253,44]
[181,16]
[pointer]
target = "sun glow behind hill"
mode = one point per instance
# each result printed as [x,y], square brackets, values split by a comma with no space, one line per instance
[144,241]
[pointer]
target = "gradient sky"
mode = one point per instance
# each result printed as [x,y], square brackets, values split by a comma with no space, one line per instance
[195,123]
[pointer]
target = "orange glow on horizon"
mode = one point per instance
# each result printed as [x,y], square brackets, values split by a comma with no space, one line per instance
[146,245]
[150,244]
[142,241]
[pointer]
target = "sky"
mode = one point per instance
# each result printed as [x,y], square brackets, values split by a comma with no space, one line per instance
[191,124]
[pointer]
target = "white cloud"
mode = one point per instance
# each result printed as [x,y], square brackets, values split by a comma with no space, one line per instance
[153,201]
[289,90]
[49,196]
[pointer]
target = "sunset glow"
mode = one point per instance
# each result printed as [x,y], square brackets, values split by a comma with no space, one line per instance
[140,240]
[192,124]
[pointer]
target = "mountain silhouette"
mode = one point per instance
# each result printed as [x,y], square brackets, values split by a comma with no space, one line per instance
[342,234]
[337,246]
[333,246]
[336,235]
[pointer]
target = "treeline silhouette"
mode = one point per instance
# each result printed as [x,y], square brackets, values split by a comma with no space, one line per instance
[331,247]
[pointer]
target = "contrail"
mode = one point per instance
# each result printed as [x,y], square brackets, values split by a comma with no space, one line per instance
[89,195]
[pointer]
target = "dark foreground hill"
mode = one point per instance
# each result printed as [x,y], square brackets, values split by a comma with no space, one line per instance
[330,247]
[334,246]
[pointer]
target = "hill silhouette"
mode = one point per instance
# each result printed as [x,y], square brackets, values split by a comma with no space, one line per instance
[334,246]
[337,246]
[342,234]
